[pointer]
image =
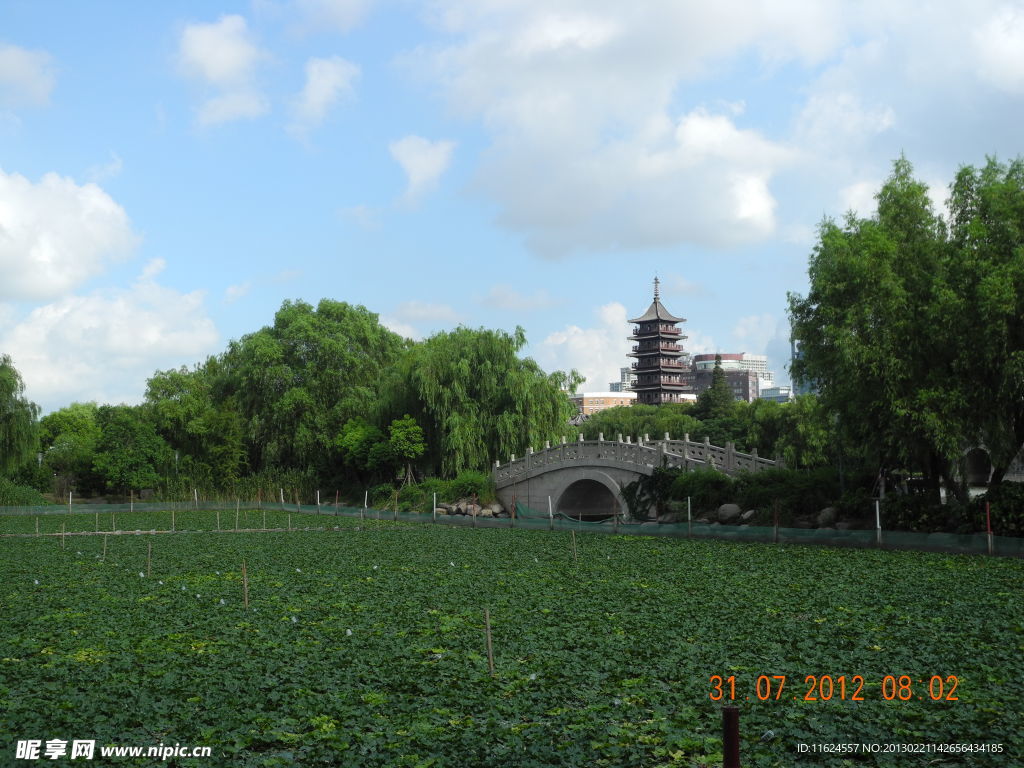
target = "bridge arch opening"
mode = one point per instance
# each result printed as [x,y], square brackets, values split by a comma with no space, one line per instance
[588,500]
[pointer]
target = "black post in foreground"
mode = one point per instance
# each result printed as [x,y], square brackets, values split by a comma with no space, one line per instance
[730,737]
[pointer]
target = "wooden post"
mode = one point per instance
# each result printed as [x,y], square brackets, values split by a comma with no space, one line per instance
[689,518]
[149,559]
[173,524]
[69,502]
[551,516]
[131,500]
[236,519]
[878,524]
[575,559]
[435,506]
[289,521]
[490,648]
[245,587]
[104,547]
[988,526]
[264,519]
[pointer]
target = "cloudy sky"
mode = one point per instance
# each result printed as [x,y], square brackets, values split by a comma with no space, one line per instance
[171,172]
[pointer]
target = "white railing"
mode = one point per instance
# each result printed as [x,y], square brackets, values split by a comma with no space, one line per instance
[642,455]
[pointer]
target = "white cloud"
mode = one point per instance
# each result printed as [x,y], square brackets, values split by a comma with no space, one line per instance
[597,353]
[26,77]
[341,15]
[367,217]
[835,120]
[234,292]
[506,297]
[410,317]
[104,346]
[327,81]
[55,234]
[999,47]
[423,162]
[859,197]
[108,170]
[222,56]
[752,333]
[591,148]
[676,285]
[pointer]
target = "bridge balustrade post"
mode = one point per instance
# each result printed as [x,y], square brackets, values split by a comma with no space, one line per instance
[647,437]
[667,438]
[547,444]
[581,437]
[620,437]
[497,464]
[600,437]
[512,460]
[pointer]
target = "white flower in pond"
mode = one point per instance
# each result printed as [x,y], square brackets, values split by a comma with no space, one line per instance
[536,560]
[160,583]
[222,601]
[198,596]
[35,581]
[142,575]
[451,563]
[348,633]
[183,588]
[217,572]
[294,620]
[375,567]
[298,570]
[78,553]
[533,676]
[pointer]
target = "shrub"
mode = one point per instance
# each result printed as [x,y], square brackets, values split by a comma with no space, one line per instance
[470,481]
[12,495]
[797,492]
[707,488]
[1007,503]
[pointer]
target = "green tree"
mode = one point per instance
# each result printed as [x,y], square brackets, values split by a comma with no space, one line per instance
[877,332]
[68,438]
[130,454]
[717,401]
[406,444]
[476,399]
[987,273]
[297,382]
[19,436]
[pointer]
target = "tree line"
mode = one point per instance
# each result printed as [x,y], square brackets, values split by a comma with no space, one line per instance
[324,398]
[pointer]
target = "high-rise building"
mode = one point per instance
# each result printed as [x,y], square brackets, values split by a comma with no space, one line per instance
[662,368]
[625,382]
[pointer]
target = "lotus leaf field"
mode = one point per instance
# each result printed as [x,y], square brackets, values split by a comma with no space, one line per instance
[363,644]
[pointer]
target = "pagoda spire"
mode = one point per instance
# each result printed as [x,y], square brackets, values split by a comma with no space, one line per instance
[656,282]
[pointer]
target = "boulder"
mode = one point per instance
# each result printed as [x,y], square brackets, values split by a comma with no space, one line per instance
[728,513]
[441,510]
[827,517]
[496,508]
[747,516]
[486,512]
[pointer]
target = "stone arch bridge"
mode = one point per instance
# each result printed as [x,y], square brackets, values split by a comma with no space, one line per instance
[584,479]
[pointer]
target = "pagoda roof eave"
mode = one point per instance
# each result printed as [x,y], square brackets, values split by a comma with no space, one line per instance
[657,311]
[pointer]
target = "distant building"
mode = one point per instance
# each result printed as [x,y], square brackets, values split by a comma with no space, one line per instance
[588,403]
[779,394]
[744,384]
[662,367]
[625,382]
[733,361]
[800,387]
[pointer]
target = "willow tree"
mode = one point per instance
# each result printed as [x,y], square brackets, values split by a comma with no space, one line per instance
[19,436]
[476,399]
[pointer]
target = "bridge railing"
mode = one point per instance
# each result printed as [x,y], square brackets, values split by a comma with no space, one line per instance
[684,453]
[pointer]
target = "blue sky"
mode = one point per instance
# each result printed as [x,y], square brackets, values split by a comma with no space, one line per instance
[171,172]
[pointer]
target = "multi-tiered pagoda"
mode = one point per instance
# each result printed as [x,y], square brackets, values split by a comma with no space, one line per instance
[662,366]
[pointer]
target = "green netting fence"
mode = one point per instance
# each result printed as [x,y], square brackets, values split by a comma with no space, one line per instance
[146,517]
